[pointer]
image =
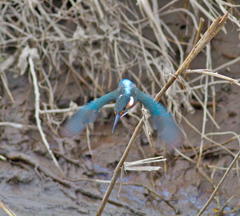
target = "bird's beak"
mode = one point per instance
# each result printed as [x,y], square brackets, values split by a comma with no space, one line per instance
[117,117]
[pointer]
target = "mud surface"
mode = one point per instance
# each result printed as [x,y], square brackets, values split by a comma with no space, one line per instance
[31,185]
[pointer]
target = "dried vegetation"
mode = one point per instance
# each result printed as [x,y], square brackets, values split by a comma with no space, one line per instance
[63,51]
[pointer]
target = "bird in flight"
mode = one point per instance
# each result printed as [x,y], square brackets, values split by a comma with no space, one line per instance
[126,96]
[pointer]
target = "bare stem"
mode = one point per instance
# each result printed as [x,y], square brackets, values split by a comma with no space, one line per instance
[219,185]
[37,112]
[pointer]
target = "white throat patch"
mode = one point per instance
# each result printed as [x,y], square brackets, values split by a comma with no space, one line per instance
[131,102]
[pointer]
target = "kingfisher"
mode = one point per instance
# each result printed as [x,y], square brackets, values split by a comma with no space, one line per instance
[126,96]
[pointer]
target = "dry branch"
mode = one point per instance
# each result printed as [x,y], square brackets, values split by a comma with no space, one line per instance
[210,73]
[37,112]
[8,211]
[11,124]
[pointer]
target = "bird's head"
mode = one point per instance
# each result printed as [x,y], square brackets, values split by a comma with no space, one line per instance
[125,101]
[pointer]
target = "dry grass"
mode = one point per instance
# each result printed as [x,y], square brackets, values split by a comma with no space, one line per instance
[91,45]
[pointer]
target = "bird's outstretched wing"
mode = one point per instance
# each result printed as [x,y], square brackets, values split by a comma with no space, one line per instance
[162,121]
[85,115]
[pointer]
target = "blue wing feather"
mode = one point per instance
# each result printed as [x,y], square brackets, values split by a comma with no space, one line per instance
[85,115]
[162,121]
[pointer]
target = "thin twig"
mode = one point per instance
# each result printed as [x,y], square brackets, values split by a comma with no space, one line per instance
[70,109]
[11,124]
[214,74]
[6,209]
[37,112]
[219,185]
